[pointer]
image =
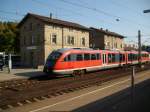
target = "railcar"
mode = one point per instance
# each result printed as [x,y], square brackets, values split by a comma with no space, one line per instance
[145,57]
[73,61]
[79,60]
[149,57]
[113,59]
[134,57]
[123,58]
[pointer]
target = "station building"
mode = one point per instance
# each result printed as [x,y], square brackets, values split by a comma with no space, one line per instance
[104,39]
[40,35]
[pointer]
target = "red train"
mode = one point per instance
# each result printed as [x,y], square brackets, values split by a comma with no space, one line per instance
[80,60]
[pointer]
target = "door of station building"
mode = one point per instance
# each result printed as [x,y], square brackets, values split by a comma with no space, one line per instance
[31,59]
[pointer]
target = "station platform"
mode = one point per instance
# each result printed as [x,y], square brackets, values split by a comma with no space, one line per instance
[20,73]
[111,96]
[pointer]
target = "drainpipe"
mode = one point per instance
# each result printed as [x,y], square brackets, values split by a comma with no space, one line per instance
[62,37]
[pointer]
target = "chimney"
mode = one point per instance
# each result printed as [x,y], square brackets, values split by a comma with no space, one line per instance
[107,30]
[101,28]
[50,15]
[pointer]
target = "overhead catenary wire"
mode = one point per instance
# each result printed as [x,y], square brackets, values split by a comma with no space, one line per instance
[103,12]
[13,13]
[71,11]
[46,5]
[123,5]
[77,14]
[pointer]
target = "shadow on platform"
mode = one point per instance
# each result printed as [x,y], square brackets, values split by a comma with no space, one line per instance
[122,101]
[30,74]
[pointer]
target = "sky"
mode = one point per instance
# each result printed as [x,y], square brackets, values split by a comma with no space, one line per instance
[125,17]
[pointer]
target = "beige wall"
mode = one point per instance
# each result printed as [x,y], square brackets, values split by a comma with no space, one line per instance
[65,32]
[112,42]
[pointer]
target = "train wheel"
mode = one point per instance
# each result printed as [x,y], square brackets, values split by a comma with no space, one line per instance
[82,72]
[78,73]
[75,73]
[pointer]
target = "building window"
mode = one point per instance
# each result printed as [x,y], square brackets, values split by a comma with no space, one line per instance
[116,45]
[24,27]
[83,31]
[121,46]
[70,40]
[31,26]
[108,44]
[54,38]
[24,40]
[38,24]
[24,57]
[38,39]
[83,41]
[70,29]
[32,40]
[54,27]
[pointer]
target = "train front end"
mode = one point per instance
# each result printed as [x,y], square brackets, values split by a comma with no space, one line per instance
[51,62]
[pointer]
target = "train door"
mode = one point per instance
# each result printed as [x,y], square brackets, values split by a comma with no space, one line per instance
[104,58]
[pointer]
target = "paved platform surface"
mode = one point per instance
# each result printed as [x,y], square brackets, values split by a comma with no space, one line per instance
[93,99]
[20,74]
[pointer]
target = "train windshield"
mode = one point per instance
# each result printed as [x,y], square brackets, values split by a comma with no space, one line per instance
[54,56]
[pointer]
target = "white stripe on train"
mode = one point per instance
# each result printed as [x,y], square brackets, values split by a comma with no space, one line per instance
[93,68]
[88,69]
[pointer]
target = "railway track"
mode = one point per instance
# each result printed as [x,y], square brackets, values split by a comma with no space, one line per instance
[20,92]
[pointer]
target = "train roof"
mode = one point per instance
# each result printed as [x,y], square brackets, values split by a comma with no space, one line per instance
[62,50]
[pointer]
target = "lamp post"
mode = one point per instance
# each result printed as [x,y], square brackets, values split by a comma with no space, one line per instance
[146,11]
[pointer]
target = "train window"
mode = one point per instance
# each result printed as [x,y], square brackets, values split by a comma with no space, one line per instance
[117,58]
[71,57]
[93,56]
[147,55]
[109,58]
[122,57]
[134,56]
[79,57]
[98,56]
[54,56]
[113,57]
[142,55]
[130,57]
[87,56]
[67,58]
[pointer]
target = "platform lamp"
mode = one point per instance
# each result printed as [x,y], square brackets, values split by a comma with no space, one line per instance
[146,11]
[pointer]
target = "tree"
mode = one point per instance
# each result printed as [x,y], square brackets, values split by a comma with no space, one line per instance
[146,48]
[9,37]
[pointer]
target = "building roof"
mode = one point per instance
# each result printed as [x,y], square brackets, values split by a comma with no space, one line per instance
[48,20]
[107,32]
